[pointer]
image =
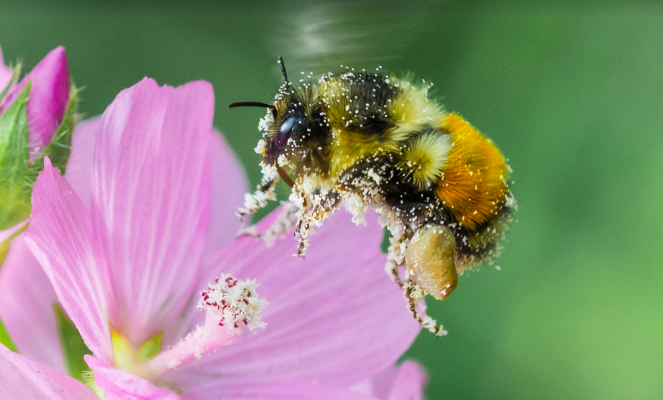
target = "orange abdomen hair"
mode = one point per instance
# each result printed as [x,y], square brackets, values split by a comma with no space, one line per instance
[473,184]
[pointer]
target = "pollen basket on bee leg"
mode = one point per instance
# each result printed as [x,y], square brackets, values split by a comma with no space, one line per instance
[429,259]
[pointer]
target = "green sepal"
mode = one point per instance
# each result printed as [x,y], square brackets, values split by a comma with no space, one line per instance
[59,148]
[19,175]
[14,157]
[6,339]
[73,346]
[88,380]
[15,73]
[150,348]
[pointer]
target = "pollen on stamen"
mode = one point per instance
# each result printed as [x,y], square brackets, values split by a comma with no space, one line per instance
[235,303]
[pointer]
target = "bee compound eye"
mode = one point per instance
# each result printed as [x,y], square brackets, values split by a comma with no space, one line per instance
[285,130]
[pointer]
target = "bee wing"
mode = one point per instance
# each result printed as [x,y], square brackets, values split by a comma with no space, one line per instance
[319,37]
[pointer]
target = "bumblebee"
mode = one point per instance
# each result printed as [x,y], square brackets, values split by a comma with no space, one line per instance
[367,140]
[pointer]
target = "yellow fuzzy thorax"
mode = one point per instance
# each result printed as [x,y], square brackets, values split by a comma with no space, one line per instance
[409,109]
[348,148]
[473,184]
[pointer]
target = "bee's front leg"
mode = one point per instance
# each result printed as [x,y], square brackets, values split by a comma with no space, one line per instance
[264,192]
[283,223]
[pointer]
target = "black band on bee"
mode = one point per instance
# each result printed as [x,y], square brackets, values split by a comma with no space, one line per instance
[371,126]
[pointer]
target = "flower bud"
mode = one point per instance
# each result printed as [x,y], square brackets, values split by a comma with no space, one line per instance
[6,75]
[36,120]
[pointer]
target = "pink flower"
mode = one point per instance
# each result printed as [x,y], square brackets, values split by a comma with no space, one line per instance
[129,265]
[36,121]
[5,74]
[47,102]
[26,294]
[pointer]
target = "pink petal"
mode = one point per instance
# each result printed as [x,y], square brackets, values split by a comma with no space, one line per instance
[406,382]
[60,237]
[260,389]
[228,181]
[334,317]
[122,385]
[409,382]
[5,73]
[48,99]
[26,306]
[23,379]
[79,166]
[150,200]
[227,194]
[26,303]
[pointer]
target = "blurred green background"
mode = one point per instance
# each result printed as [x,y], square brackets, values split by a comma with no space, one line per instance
[572,94]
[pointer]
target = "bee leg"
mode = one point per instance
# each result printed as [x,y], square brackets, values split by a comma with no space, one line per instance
[431,269]
[258,199]
[396,258]
[430,260]
[283,223]
[414,295]
[316,210]
[302,231]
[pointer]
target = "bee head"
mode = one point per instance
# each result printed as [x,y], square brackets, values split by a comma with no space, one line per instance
[294,130]
[293,127]
[295,110]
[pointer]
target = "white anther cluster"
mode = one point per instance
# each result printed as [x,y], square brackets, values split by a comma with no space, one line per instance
[235,303]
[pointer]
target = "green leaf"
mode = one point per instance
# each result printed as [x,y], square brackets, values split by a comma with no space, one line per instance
[59,148]
[6,339]
[14,155]
[73,347]
[14,138]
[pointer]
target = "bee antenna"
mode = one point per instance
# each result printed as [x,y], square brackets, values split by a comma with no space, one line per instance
[283,73]
[271,107]
[251,104]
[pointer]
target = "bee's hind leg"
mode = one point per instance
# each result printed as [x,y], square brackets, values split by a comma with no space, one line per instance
[414,294]
[431,269]
[430,260]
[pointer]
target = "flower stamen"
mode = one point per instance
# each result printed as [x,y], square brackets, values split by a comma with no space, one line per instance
[234,304]
[231,305]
